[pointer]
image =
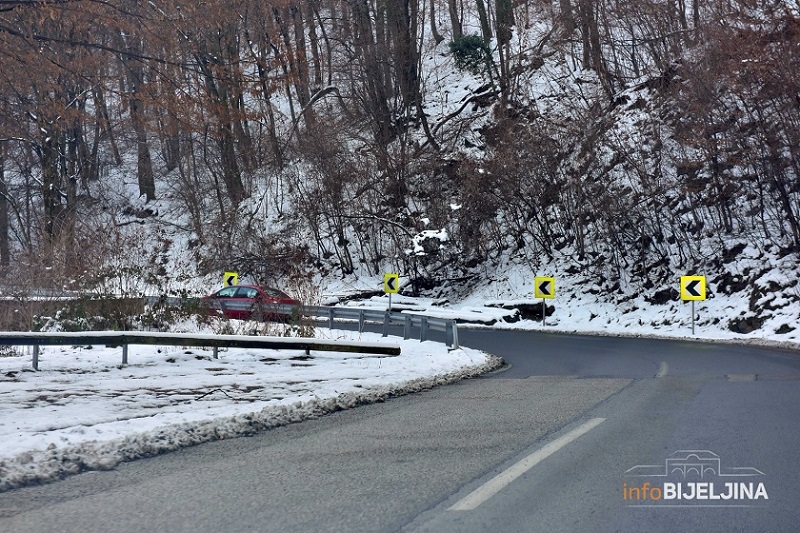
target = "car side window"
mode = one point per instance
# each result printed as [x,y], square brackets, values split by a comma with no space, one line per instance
[247,292]
[227,292]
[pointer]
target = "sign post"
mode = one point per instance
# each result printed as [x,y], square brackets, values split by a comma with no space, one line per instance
[544,288]
[391,285]
[693,289]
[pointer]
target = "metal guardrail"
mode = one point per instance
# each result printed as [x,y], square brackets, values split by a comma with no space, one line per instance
[123,339]
[408,320]
[329,314]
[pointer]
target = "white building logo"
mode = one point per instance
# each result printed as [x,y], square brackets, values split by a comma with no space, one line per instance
[693,478]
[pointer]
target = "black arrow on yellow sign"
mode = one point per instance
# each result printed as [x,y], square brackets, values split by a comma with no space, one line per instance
[691,287]
[544,287]
[230,279]
[391,283]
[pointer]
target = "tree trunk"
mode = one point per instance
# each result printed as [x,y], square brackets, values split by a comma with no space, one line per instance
[567,17]
[5,249]
[434,29]
[298,66]
[483,15]
[402,26]
[51,198]
[592,49]
[259,56]
[102,111]
[144,167]
[374,85]
[455,20]
[315,47]
[504,19]
[301,57]
[144,171]
[218,63]
[681,7]
[70,212]
[231,173]
[326,39]
[171,141]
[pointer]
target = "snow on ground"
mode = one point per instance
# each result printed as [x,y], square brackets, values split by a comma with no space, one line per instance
[84,411]
[575,309]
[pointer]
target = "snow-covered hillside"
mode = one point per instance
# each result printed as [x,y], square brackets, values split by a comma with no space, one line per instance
[614,150]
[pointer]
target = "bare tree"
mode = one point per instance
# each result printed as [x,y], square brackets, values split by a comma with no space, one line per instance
[455,19]
[434,26]
[5,248]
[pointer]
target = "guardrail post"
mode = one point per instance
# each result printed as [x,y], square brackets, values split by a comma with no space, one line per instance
[454,328]
[216,352]
[423,329]
[124,354]
[331,312]
[406,327]
[361,321]
[35,360]
[386,324]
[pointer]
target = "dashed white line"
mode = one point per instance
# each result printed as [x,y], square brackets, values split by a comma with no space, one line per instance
[662,370]
[506,477]
[740,377]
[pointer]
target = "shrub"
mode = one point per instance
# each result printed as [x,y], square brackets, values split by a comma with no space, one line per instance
[470,54]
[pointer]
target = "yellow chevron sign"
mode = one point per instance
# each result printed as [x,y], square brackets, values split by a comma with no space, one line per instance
[693,288]
[391,283]
[544,287]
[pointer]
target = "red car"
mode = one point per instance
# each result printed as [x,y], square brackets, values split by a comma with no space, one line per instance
[250,302]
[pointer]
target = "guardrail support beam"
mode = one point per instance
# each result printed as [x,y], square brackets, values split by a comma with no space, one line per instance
[116,339]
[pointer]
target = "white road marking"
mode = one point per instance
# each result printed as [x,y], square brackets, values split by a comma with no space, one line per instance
[662,370]
[506,477]
[741,377]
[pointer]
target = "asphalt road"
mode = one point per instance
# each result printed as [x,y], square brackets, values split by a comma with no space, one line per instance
[550,444]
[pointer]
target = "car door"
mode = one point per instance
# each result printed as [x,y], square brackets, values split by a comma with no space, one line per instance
[216,302]
[245,302]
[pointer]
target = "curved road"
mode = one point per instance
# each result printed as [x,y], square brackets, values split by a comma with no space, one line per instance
[573,436]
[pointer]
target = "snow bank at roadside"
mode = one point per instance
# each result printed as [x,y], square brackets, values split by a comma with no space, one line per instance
[69,431]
